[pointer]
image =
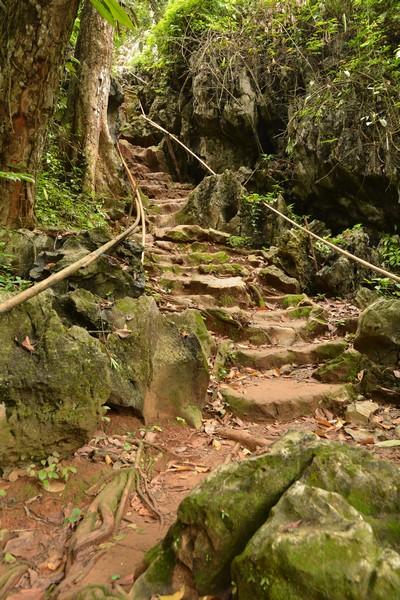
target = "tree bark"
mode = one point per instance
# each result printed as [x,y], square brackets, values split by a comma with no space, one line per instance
[92,145]
[34,36]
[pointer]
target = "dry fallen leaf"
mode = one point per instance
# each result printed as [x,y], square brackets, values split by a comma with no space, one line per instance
[32,594]
[123,333]
[27,344]
[55,487]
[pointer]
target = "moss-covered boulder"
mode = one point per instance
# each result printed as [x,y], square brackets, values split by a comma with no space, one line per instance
[53,381]
[378,332]
[215,521]
[315,545]
[215,202]
[343,368]
[159,366]
[308,519]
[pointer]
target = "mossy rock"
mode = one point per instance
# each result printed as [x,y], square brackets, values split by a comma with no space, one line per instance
[215,521]
[52,395]
[278,279]
[342,369]
[315,545]
[370,485]
[378,333]
[160,366]
[206,258]
[291,300]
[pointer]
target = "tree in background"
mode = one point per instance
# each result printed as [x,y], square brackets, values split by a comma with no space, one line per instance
[33,40]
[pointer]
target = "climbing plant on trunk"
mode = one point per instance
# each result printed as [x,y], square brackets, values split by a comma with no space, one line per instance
[33,39]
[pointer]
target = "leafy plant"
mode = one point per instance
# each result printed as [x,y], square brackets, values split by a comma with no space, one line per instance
[112,12]
[9,282]
[50,470]
[15,177]
[74,517]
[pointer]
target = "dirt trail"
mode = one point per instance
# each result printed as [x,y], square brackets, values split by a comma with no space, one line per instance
[269,345]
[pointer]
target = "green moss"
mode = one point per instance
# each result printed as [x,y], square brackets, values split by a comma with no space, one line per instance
[293,300]
[343,368]
[206,258]
[228,300]
[232,269]
[301,312]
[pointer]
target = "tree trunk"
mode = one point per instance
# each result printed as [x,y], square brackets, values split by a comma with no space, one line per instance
[34,36]
[92,146]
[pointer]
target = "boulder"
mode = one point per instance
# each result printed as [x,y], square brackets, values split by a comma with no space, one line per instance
[307,519]
[159,366]
[54,380]
[343,368]
[315,545]
[215,202]
[276,278]
[217,519]
[115,274]
[378,332]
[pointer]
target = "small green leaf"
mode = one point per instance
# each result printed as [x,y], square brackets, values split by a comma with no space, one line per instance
[104,11]
[115,577]
[119,13]
[3,493]
[9,558]
[42,475]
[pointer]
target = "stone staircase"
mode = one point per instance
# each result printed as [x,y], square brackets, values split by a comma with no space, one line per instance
[269,343]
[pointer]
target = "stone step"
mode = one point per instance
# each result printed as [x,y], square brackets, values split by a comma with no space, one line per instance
[263,329]
[168,206]
[228,291]
[283,399]
[163,220]
[191,233]
[302,354]
[158,176]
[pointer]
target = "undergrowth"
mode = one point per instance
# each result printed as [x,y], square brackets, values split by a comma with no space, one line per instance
[60,204]
[9,282]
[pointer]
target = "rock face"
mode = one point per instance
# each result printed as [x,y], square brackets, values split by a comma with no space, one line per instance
[55,376]
[308,519]
[215,202]
[378,333]
[53,381]
[315,545]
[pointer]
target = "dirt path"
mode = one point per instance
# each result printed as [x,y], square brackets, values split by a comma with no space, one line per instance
[269,343]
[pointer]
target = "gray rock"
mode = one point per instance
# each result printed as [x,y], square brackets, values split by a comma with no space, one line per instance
[214,203]
[378,333]
[277,279]
[315,545]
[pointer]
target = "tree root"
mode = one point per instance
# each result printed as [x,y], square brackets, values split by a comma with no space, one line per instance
[11,578]
[244,438]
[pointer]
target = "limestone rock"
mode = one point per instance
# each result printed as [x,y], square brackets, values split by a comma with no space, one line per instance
[191,233]
[342,369]
[360,413]
[308,519]
[276,278]
[161,366]
[215,202]
[219,516]
[53,394]
[315,545]
[378,333]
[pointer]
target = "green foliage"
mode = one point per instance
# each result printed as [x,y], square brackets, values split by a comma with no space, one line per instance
[238,241]
[9,282]
[112,12]
[59,201]
[51,469]
[389,252]
[15,177]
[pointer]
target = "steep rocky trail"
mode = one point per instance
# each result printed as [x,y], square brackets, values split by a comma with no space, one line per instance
[269,338]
